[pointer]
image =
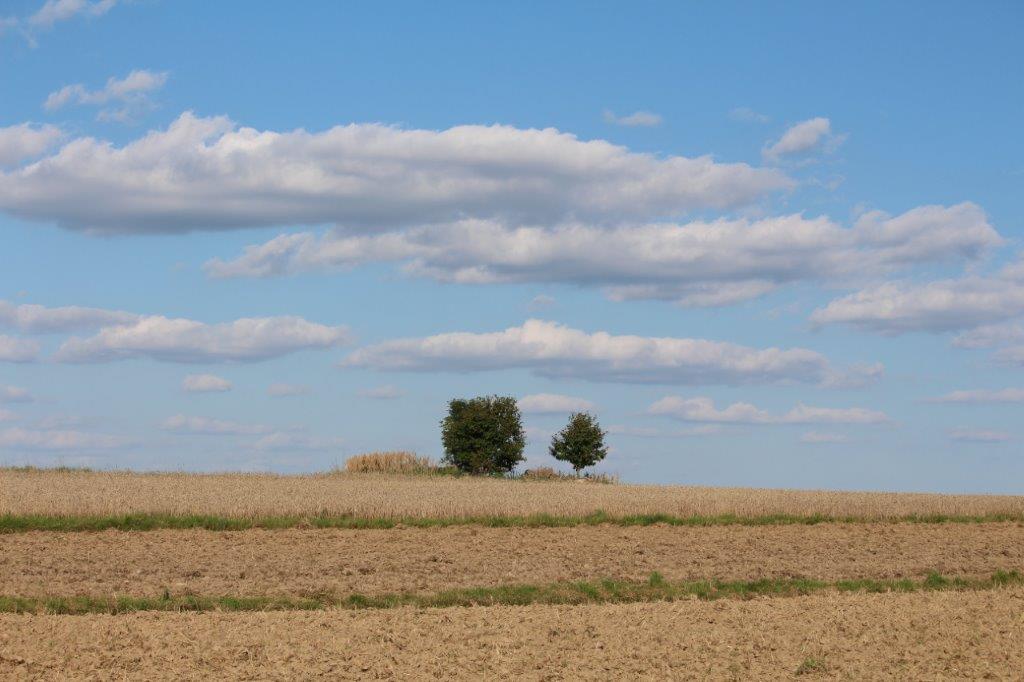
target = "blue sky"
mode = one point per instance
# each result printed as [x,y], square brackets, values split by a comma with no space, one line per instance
[766,245]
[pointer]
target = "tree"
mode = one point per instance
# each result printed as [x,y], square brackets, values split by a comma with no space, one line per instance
[483,435]
[581,442]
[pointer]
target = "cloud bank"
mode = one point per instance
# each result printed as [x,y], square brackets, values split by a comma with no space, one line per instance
[552,350]
[188,341]
[694,264]
[209,174]
[703,409]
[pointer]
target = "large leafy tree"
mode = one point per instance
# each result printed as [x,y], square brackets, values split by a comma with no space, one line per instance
[483,435]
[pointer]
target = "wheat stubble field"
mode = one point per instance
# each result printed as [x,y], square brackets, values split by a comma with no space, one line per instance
[182,576]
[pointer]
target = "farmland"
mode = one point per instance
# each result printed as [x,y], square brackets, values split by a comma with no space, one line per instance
[108,574]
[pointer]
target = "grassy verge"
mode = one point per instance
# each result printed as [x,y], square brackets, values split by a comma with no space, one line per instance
[18,523]
[655,588]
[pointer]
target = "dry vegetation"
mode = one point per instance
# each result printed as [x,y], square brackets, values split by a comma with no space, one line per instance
[69,493]
[390,463]
[936,635]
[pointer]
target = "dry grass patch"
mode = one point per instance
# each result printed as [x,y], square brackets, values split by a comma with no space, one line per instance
[390,463]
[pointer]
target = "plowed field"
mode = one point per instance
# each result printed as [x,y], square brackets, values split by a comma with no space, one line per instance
[295,562]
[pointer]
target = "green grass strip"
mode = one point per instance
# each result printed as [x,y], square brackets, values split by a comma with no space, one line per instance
[655,588]
[20,523]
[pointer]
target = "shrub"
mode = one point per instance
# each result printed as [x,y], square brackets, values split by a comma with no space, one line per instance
[389,463]
[483,435]
[580,443]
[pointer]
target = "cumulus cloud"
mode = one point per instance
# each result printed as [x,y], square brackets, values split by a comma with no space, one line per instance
[37,319]
[981,396]
[1013,355]
[287,390]
[131,94]
[646,432]
[694,264]
[990,336]
[979,436]
[387,392]
[747,115]
[556,351]
[282,440]
[54,11]
[188,341]
[208,174]
[26,141]
[31,439]
[644,119]
[815,437]
[15,394]
[205,383]
[939,306]
[542,301]
[211,427]
[802,138]
[703,409]
[553,403]
[18,350]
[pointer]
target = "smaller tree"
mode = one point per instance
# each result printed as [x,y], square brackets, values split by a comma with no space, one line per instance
[580,443]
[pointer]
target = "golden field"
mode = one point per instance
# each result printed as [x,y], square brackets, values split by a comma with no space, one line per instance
[71,493]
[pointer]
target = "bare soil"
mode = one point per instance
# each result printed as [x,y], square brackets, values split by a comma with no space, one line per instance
[939,635]
[296,562]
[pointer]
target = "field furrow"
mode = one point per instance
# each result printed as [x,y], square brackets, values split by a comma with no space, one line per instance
[296,562]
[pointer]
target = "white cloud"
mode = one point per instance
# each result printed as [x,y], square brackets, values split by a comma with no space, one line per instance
[703,409]
[804,137]
[542,302]
[553,350]
[7,416]
[644,119]
[15,394]
[188,341]
[207,174]
[813,437]
[695,264]
[205,383]
[131,93]
[747,115]
[944,305]
[281,440]
[287,390]
[17,350]
[26,141]
[1013,355]
[990,336]
[27,439]
[978,436]
[387,392]
[37,319]
[981,396]
[54,11]
[211,427]
[553,403]
[645,432]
